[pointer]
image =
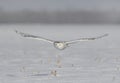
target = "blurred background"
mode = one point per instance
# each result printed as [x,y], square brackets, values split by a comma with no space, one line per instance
[25,60]
[60,11]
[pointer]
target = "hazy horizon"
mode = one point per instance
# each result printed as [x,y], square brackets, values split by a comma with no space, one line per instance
[50,5]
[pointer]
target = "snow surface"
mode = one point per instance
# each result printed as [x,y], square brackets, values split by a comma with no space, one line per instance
[31,61]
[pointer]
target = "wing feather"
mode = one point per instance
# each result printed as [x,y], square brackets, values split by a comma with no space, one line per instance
[33,37]
[86,39]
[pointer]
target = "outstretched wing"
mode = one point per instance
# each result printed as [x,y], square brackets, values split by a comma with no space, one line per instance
[86,39]
[33,37]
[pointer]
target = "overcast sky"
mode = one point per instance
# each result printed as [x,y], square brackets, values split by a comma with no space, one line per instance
[13,5]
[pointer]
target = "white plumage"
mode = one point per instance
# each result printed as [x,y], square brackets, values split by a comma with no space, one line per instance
[61,45]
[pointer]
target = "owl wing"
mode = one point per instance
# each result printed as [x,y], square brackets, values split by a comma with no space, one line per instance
[33,37]
[85,39]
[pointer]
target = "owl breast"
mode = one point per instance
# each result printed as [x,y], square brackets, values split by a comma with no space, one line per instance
[60,45]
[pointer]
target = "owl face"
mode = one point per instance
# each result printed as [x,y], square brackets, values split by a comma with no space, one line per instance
[60,45]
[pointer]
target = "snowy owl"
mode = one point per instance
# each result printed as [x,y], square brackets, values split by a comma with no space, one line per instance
[61,45]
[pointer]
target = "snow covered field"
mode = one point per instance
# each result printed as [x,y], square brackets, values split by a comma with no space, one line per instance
[31,61]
